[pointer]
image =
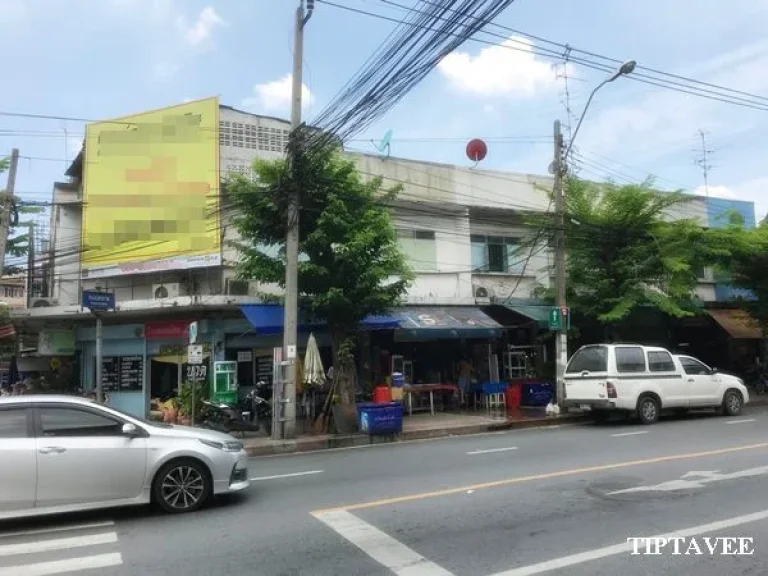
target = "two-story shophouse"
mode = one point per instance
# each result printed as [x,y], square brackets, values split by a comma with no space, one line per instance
[460,228]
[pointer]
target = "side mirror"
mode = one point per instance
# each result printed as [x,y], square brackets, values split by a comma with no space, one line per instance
[130,430]
[714,370]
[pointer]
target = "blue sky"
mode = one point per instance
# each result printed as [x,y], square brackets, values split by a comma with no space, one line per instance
[97,59]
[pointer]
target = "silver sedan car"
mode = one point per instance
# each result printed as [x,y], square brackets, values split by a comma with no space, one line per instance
[64,454]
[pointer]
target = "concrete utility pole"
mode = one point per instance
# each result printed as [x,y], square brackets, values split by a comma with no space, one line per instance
[288,399]
[5,207]
[561,341]
[559,167]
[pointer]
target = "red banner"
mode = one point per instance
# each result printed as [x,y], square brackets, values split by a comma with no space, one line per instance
[166,330]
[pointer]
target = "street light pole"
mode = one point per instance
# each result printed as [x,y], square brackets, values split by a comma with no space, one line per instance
[287,402]
[559,169]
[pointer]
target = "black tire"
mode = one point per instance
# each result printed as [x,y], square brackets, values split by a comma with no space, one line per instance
[193,481]
[648,409]
[732,403]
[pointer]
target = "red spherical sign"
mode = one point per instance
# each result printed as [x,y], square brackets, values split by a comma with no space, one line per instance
[477,150]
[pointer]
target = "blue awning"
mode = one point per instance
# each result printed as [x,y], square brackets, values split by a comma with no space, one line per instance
[445,322]
[268,319]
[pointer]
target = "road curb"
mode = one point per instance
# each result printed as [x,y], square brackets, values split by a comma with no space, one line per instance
[315,444]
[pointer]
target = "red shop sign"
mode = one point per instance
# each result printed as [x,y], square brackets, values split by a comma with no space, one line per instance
[166,330]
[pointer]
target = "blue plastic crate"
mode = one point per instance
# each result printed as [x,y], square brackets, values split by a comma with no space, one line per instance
[379,419]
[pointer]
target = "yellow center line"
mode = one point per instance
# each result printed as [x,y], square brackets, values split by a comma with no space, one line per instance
[534,477]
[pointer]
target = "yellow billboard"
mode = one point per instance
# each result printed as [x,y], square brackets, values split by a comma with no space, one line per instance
[151,191]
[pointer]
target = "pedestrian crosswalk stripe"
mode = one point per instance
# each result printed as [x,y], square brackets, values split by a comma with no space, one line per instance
[57,544]
[86,526]
[63,566]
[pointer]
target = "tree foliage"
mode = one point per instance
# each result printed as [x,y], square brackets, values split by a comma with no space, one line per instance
[17,245]
[350,265]
[745,266]
[624,253]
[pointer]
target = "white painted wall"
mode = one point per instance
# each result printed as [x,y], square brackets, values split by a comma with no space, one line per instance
[457,185]
[436,197]
[67,219]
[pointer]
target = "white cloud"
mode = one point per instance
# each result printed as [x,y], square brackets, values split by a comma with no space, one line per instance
[276,96]
[201,30]
[508,70]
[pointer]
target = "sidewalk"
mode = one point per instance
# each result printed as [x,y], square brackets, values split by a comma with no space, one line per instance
[415,427]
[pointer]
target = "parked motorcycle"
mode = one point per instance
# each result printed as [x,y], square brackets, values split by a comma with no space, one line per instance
[260,405]
[226,418]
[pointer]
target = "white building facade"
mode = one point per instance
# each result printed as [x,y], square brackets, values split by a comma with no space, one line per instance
[460,228]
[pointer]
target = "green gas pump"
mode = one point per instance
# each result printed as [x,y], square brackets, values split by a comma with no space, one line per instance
[225,382]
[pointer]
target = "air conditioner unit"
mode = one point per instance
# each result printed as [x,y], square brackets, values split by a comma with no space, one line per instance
[483,295]
[236,287]
[168,290]
[43,302]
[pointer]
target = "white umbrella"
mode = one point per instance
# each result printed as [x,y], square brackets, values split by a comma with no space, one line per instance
[314,374]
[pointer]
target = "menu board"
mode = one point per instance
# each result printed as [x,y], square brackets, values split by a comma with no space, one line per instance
[131,372]
[122,373]
[264,369]
[109,376]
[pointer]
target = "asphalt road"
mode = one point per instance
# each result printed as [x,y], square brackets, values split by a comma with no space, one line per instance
[545,501]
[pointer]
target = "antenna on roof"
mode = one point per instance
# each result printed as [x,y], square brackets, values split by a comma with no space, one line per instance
[385,143]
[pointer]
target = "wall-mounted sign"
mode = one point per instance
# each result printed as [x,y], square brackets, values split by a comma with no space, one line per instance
[244,356]
[52,342]
[98,301]
[166,330]
[122,373]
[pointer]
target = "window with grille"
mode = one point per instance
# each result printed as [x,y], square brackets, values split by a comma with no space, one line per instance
[497,254]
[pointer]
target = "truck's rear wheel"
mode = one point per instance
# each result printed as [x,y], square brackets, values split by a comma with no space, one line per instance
[648,409]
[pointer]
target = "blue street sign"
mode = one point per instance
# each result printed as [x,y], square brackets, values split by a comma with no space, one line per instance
[98,301]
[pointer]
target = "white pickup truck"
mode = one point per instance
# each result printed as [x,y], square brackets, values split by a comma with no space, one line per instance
[644,380]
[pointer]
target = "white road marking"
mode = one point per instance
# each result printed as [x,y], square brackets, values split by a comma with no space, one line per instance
[57,544]
[86,526]
[629,433]
[381,547]
[492,450]
[63,566]
[292,475]
[702,478]
[744,421]
[598,553]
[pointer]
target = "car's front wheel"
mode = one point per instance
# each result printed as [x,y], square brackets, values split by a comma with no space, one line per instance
[182,485]
[732,403]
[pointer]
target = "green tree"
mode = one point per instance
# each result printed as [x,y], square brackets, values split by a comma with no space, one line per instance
[624,253]
[745,265]
[17,244]
[350,265]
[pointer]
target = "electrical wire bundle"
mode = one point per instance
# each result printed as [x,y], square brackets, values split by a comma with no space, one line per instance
[413,49]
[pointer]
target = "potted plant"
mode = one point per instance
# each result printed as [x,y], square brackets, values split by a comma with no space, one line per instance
[186,401]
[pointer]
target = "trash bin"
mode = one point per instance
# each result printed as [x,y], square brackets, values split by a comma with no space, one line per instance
[538,394]
[380,419]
